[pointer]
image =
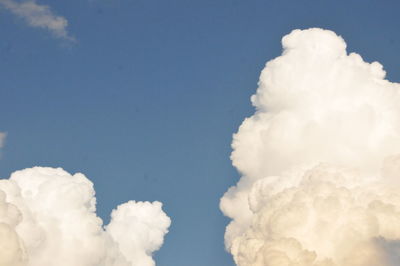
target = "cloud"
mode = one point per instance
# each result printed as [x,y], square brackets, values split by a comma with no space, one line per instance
[319,161]
[47,217]
[3,136]
[39,16]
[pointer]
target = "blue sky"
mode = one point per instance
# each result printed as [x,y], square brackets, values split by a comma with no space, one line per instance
[146,99]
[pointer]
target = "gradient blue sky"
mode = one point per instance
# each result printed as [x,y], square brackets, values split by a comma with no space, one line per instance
[145,102]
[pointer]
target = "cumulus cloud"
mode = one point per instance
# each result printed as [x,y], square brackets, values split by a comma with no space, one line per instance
[39,16]
[48,217]
[319,160]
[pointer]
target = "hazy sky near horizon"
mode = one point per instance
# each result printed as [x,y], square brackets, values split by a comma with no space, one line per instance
[143,96]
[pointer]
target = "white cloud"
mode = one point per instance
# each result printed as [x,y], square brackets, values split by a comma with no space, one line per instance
[47,217]
[319,161]
[39,16]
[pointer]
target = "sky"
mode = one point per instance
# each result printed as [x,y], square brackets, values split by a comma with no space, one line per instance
[143,96]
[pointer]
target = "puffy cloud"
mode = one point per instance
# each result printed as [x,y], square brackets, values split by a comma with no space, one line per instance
[39,16]
[320,182]
[146,223]
[47,217]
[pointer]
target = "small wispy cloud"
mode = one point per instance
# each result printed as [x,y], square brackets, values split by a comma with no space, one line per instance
[39,16]
[3,136]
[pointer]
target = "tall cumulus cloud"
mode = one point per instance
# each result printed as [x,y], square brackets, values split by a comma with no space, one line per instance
[319,160]
[48,217]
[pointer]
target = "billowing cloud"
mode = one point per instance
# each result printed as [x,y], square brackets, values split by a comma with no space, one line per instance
[47,217]
[319,160]
[39,16]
